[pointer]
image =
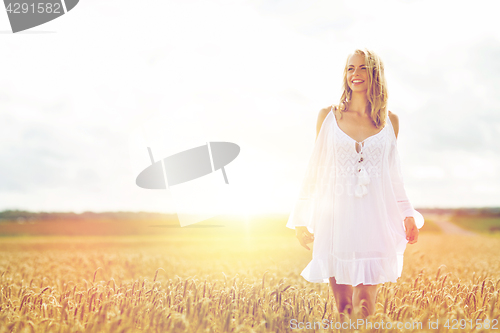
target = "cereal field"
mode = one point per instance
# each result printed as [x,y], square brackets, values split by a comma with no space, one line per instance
[232,279]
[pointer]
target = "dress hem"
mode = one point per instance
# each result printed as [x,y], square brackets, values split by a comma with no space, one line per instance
[354,272]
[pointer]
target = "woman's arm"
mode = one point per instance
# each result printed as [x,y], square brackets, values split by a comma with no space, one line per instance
[301,232]
[404,205]
[300,218]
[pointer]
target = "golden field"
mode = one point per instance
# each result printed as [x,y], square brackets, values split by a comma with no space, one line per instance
[239,277]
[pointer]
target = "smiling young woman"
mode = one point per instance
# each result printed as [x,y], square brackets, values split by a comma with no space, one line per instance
[352,202]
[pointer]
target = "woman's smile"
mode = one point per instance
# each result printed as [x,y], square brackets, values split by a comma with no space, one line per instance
[356,73]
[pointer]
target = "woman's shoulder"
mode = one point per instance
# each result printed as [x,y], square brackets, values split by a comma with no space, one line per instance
[321,117]
[325,111]
[395,122]
[393,116]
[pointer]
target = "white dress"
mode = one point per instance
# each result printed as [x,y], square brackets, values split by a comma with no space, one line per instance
[355,204]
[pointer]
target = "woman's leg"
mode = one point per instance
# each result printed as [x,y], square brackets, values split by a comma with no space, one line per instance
[343,297]
[364,298]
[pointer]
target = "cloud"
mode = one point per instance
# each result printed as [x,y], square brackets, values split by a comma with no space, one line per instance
[259,73]
[451,100]
[26,167]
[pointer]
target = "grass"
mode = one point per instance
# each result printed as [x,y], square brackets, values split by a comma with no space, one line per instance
[479,224]
[226,280]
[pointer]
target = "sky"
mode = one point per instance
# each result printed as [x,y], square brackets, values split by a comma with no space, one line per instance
[74,93]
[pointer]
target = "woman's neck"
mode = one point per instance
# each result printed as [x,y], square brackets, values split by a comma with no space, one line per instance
[359,104]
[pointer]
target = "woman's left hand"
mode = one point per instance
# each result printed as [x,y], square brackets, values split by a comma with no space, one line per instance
[411,230]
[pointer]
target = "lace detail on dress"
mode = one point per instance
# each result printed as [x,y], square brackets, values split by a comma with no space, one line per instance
[363,164]
[348,159]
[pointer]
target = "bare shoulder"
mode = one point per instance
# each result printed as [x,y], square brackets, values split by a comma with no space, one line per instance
[395,122]
[321,117]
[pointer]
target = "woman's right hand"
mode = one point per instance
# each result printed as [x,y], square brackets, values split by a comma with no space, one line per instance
[304,236]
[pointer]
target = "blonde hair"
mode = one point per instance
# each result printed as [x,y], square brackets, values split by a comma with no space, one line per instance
[377,87]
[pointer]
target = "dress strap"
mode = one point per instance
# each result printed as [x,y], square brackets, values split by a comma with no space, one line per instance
[332,109]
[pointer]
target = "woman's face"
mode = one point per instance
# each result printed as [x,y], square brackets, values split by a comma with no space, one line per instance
[357,76]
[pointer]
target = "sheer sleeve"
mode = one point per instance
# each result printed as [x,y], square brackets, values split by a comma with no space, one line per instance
[317,182]
[403,203]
